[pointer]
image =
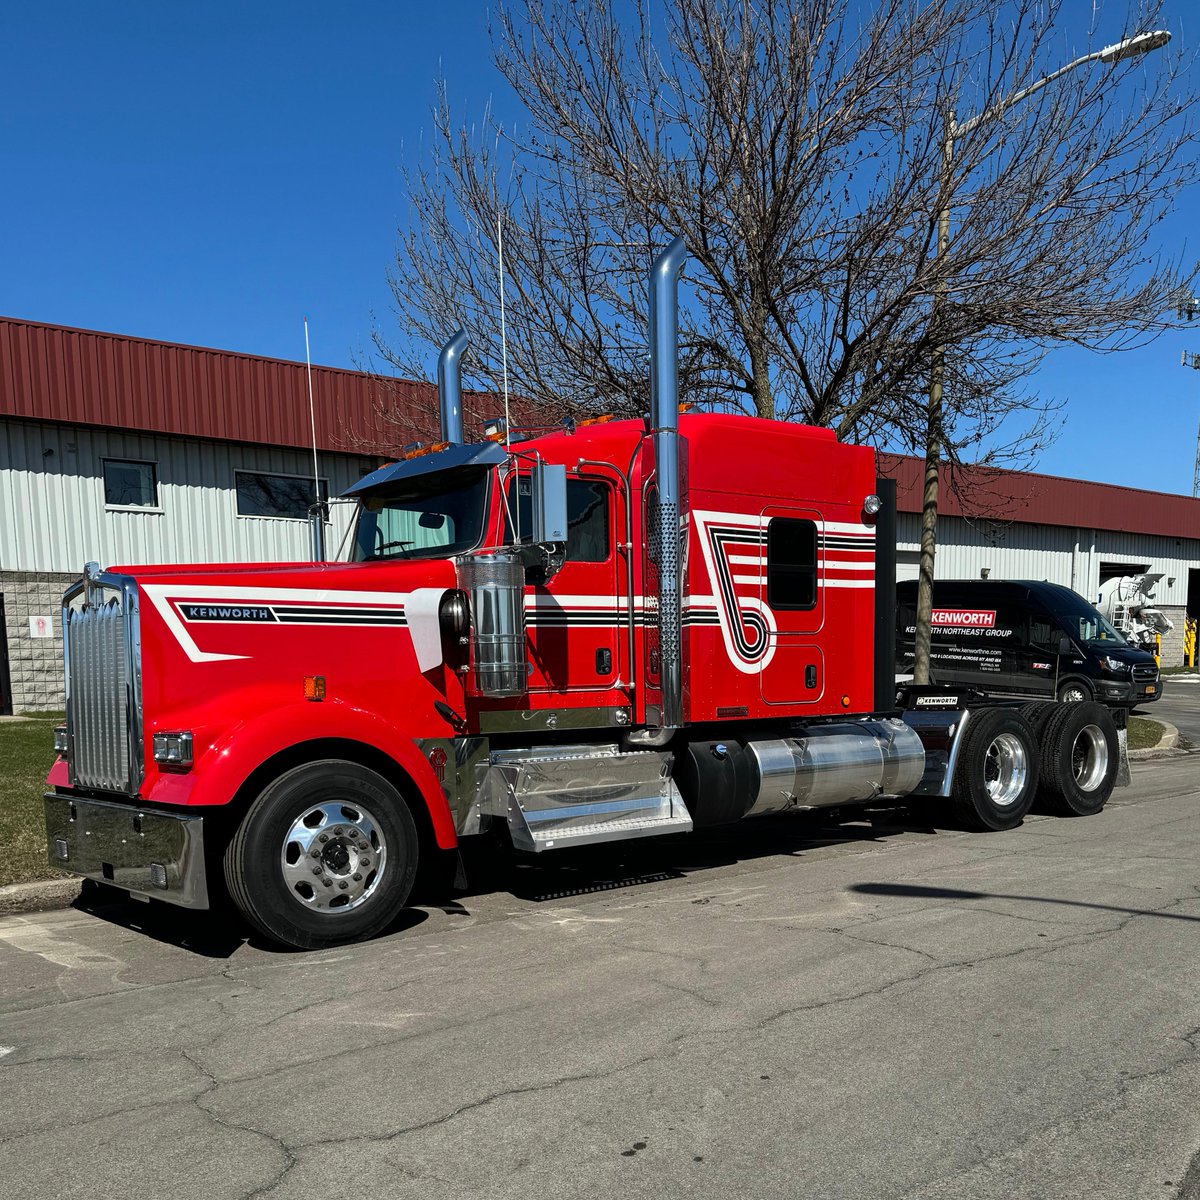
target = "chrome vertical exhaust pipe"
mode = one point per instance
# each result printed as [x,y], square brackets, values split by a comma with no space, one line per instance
[664,412]
[450,387]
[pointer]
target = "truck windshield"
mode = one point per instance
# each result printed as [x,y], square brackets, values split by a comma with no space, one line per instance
[431,516]
[1082,621]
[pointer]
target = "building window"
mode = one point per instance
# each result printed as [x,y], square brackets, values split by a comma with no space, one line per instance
[130,484]
[791,563]
[286,496]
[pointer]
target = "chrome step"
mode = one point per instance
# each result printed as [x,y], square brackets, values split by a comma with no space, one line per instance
[578,795]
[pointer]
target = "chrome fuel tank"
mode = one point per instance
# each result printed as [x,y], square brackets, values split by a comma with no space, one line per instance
[828,765]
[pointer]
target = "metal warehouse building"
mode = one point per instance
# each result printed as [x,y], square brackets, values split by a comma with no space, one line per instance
[997,524]
[130,451]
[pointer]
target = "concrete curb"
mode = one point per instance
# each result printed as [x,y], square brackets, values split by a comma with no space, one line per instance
[1165,745]
[1192,677]
[39,896]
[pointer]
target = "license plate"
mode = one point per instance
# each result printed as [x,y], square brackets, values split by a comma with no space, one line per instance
[1151,690]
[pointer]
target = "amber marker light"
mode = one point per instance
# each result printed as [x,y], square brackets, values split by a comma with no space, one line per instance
[845,701]
[314,687]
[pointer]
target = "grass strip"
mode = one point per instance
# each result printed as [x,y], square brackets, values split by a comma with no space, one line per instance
[26,755]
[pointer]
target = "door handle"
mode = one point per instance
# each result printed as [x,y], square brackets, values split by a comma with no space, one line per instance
[810,676]
[604,662]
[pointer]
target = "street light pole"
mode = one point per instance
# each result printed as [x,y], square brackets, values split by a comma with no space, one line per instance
[1131,47]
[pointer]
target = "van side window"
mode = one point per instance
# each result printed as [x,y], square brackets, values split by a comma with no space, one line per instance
[1043,633]
[791,563]
[588,538]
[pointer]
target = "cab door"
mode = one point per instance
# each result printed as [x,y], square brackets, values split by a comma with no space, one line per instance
[575,620]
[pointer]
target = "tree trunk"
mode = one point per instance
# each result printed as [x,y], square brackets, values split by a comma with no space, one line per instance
[933,436]
[760,361]
[929,511]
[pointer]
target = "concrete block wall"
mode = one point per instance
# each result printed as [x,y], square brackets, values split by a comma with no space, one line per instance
[35,665]
[1172,643]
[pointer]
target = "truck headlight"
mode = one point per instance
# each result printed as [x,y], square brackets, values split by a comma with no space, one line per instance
[173,749]
[60,739]
[1115,665]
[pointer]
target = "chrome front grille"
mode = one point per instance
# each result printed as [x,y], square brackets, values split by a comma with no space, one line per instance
[102,651]
[1145,674]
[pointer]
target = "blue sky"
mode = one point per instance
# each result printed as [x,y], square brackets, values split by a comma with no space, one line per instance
[213,174]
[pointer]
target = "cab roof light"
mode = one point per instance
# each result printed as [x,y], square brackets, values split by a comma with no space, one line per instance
[600,420]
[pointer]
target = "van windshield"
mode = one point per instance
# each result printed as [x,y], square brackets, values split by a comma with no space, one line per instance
[1085,623]
[431,516]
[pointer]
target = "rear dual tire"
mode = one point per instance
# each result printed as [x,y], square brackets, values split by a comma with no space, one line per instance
[996,778]
[1080,758]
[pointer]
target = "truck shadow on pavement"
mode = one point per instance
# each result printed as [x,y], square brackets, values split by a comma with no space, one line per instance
[610,866]
[924,891]
[492,870]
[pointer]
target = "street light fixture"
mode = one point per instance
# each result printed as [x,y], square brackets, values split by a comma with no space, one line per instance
[1140,43]
[1127,48]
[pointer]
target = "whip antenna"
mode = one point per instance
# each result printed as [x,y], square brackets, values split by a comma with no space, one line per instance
[503,331]
[318,520]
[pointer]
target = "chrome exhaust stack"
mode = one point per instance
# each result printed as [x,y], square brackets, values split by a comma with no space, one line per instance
[450,387]
[664,413]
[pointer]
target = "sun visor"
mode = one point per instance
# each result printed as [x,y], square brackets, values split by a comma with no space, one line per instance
[481,454]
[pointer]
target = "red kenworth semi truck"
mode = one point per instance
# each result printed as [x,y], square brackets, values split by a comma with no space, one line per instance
[615,629]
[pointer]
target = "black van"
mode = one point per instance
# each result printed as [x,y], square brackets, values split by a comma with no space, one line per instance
[1024,638]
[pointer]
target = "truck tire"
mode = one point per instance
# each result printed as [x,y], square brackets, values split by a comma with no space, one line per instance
[327,853]
[1038,713]
[996,778]
[1080,760]
[1074,691]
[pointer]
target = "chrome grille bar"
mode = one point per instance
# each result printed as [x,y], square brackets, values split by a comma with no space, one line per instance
[102,653]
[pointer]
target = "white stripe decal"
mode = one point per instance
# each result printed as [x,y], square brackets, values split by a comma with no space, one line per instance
[161,595]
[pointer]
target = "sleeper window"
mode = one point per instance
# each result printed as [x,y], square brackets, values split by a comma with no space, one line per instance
[791,563]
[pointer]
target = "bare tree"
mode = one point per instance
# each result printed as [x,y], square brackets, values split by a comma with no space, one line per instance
[856,251]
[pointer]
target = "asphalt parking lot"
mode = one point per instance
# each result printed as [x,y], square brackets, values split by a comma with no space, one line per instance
[791,1009]
[1179,704]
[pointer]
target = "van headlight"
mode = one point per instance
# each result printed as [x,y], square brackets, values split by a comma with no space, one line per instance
[1115,665]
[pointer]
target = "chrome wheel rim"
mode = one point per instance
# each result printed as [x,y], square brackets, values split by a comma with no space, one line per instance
[333,856]
[1089,758]
[1073,695]
[1005,768]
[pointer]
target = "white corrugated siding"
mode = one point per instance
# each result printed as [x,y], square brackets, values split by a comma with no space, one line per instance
[1054,553]
[53,516]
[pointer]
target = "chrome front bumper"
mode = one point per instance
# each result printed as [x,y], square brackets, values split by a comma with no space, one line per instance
[144,851]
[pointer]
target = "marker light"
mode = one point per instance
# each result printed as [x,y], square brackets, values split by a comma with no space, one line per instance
[314,687]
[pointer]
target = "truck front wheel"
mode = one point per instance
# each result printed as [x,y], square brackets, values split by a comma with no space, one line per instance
[327,853]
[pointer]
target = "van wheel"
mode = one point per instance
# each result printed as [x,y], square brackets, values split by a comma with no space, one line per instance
[997,774]
[327,853]
[1074,692]
[1080,760]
